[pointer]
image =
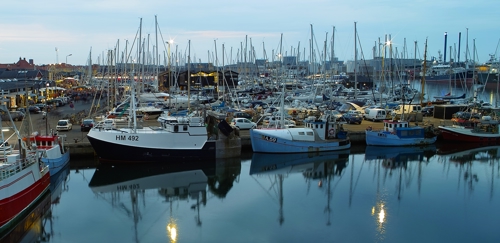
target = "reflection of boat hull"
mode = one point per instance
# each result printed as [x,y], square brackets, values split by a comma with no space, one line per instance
[413,153]
[382,138]
[462,134]
[56,182]
[289,163]
[192,176]
[463,148]
[29,226]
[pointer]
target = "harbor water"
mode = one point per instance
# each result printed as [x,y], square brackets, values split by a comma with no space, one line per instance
[442,193]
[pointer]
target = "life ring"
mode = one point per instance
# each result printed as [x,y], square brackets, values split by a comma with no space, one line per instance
[331,132]
[429,103]
[369,128]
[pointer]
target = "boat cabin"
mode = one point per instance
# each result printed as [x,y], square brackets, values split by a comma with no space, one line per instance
[183,124]
[327,127]
[403,130]
[44,142]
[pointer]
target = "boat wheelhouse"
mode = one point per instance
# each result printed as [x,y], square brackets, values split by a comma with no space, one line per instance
[400,133]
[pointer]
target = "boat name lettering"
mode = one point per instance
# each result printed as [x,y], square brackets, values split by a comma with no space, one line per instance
[127,187]
[124,137]
[270,139]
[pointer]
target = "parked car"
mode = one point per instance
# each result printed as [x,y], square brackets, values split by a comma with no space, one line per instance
[108,124]
[34,109]
[334,113]
[353,118]
[43,106]
[243,123]
[241,114]
[275,121]
[16,116]
[64,125]
[428,111]
[86,125]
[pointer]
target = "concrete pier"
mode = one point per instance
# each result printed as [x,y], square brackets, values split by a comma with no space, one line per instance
[79,145]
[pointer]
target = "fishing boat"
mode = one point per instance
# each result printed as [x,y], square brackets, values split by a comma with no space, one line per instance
[400,133]
[484,130]
[24,180]
[185,138]
[321,134]
[52,150]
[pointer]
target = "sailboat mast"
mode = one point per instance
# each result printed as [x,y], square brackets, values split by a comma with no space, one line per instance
[355,63]
[157,56]
[282,105]
[189,75]
[424,70]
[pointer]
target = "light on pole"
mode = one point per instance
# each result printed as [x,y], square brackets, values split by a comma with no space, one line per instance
[169,71]
[46,108]
[67,58]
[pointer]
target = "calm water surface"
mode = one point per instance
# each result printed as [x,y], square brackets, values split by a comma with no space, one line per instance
[434,194]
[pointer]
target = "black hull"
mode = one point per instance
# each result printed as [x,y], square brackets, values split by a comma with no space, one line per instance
[121,154]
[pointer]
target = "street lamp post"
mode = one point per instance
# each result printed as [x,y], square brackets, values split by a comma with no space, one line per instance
[169,72]
[67,58]
[46,108]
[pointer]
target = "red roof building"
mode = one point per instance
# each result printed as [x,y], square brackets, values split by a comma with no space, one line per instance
[21,64]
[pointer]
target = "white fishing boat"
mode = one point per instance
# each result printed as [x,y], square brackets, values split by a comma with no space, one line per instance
[185,138]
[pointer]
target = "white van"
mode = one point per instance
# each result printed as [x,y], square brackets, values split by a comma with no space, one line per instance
[407,109]
[376,115]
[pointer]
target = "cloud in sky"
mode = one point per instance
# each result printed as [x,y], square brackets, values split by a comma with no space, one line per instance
[33,29]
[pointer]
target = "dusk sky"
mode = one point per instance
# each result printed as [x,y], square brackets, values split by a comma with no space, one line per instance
[34,29]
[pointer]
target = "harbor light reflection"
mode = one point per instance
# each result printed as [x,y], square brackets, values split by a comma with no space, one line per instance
[172,231]
[379,213]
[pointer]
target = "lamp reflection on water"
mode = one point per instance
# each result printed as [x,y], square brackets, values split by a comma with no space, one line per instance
[381,214]
[172,231]
[378,211]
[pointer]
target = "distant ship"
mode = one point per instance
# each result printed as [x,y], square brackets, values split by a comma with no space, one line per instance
[447,73]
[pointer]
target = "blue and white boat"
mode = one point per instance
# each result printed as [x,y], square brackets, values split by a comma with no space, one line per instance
[317,135]
[400,133]
[52,151]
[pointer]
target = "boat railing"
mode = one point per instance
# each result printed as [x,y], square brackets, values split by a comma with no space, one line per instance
[9,169]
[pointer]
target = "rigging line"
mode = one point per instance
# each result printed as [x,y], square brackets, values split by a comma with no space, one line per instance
[489,71]
[271,196]
[359,175]
[160,216]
